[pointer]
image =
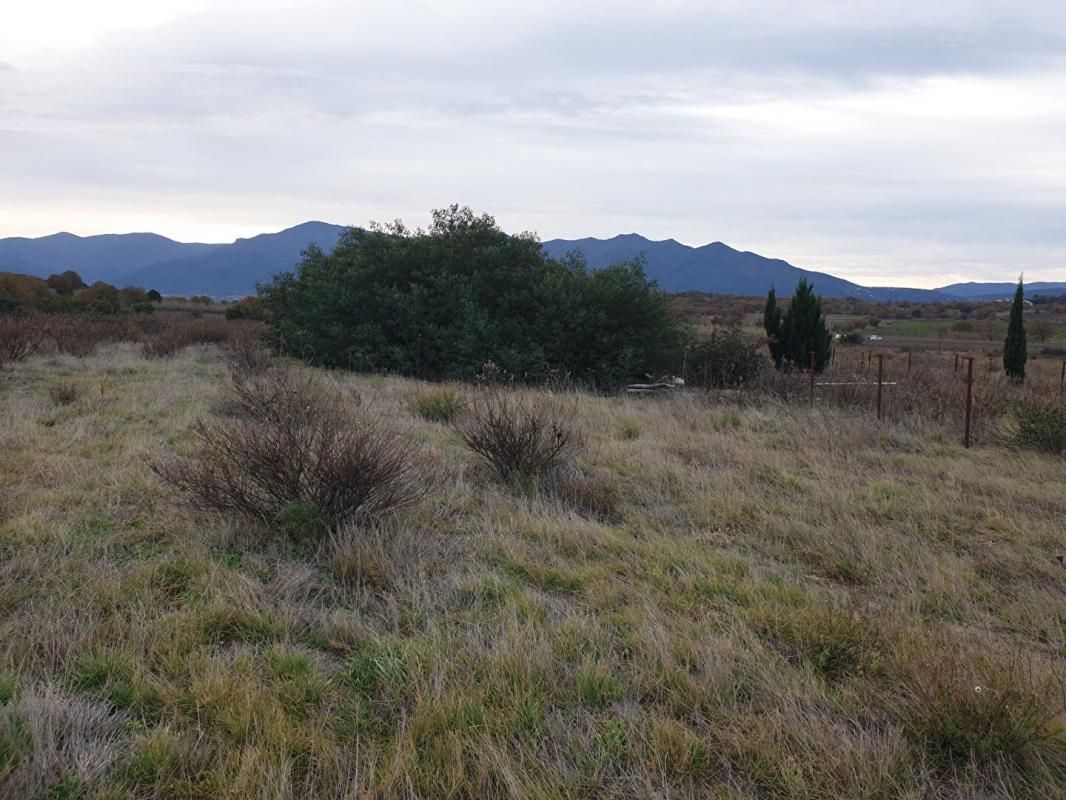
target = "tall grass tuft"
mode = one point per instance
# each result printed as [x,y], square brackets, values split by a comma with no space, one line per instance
[441,405]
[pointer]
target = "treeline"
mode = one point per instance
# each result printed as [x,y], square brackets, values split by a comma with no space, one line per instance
[68,293]
[733,309]
[444,302]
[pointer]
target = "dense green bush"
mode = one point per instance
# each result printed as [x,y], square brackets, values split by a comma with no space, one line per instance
[248,308]
[440,303]
[726,359]
[1040,426]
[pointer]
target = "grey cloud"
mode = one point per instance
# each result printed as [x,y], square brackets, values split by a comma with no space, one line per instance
[736,121]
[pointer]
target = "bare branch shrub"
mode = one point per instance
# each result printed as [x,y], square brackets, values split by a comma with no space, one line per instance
[178,332]
[246,353]
[521,434]
[20,337]
[80,336]
[290,442]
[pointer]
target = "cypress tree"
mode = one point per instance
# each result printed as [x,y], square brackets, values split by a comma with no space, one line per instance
[771,320]
[804,330]
[1015,353]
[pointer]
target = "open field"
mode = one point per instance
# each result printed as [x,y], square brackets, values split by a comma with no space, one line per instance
[756,600]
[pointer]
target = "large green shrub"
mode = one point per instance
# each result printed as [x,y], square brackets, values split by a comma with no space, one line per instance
[724,360]
[442,302]
[1040,426]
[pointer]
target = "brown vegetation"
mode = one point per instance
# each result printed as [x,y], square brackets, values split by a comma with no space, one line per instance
[291,448]
[523,435]
[727,595]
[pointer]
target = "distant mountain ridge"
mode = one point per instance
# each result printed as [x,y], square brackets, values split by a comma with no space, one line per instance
[997,291]
[234,269]
[107,257]
[227,270]
[720,269]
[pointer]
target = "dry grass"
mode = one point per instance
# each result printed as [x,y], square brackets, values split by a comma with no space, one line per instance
[740,601]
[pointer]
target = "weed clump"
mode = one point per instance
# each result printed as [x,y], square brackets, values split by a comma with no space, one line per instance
[833,643]
[64,393]
[628,429]
[293,454]
[441,405]
[521,436]
[978,710]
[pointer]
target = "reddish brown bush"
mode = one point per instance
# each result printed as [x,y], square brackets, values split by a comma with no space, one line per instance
[174,332]
[78,335]
[20,337]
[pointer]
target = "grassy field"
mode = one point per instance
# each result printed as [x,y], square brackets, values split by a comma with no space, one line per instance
[748,601]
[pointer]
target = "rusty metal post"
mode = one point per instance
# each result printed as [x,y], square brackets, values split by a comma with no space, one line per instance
[956,362]
[990,360]
[880,379]
[909,354]
[812,377]
[969,399]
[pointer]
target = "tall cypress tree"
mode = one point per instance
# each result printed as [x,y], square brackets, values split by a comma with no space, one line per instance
[771,320]
[1015,353]
[804,330]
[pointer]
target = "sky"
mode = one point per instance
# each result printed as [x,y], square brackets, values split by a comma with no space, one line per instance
[892,143]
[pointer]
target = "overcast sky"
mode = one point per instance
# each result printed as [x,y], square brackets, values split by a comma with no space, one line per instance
[889,142]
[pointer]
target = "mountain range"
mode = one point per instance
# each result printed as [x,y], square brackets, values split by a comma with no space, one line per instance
[232,270]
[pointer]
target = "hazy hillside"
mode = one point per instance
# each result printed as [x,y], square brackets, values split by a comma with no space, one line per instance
[995,291]
[235,268]
[720,269]
[109,257]
[153,261]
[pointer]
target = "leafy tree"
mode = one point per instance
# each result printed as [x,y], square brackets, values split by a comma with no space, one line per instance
[773,323]
[803,330]
[1015,353]
[100,298]
[66,284]
[153,296]
[440,303]
[133,295]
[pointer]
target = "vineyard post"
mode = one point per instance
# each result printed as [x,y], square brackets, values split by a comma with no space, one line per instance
[880,378]
[969,400]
